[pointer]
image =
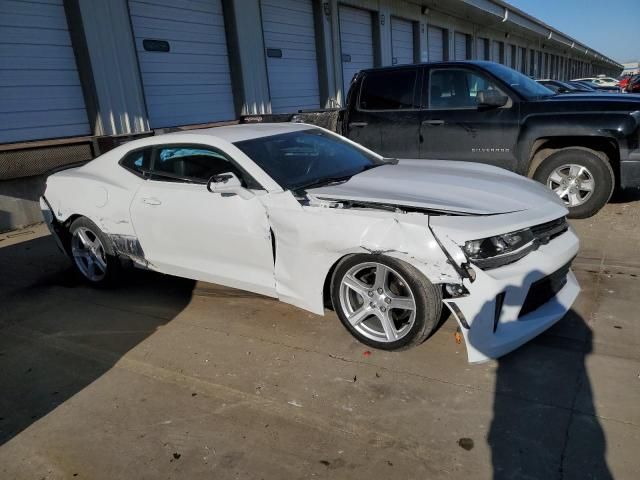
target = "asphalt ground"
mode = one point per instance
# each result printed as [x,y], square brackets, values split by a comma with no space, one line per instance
[169,378]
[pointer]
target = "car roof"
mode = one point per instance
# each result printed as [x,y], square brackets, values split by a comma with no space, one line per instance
[247,131]
[458,63]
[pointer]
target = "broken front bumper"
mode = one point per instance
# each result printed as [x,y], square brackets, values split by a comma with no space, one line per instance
[510,305]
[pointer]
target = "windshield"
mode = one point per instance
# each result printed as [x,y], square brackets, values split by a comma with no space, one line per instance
[525,86]
[308,157]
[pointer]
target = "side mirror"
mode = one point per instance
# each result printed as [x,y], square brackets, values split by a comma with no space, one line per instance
[491,98]
[228,184]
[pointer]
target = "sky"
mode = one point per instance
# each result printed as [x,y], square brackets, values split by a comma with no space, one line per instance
[608,26]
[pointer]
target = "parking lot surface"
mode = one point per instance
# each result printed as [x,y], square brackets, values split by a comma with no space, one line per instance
[168,378]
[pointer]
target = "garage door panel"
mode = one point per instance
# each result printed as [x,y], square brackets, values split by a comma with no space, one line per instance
[288,27]
[40,63]
[197,63]
[169,29]
[435,43]
[460,41]
[186,68]
[356,42]
[215,80]
[213,35]
[191,5]
[177,14]
[402,41]
[25,35]
[20,77]
[30,21]
[34,133]
[50,9]
[30,119]
[64,102]
[15,50]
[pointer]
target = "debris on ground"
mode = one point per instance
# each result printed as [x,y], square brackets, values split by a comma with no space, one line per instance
[466,443]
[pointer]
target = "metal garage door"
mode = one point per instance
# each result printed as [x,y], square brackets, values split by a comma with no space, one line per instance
[190,83]
[40,92]
[480,49]
[356,42]
[495,54]
[435,39]
[507,55]
[460,46]
[401,41]
[290,43]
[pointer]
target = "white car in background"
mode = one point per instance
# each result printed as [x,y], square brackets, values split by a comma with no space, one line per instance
[599,81]
[296,212]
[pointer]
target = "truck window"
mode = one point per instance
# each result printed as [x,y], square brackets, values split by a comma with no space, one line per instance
[455,88]
[389,90]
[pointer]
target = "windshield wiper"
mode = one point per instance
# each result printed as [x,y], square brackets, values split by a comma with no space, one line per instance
[323,182]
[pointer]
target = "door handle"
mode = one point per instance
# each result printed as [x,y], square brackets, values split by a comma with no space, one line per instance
[151,201]
[433,123]
[357,124]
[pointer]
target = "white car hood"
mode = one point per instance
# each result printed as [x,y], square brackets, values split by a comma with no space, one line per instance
[451,186]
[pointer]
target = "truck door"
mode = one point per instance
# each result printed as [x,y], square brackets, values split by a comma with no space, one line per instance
[384,114]
[454,127]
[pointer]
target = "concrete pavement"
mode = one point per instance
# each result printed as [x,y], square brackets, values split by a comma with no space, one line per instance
[167,378]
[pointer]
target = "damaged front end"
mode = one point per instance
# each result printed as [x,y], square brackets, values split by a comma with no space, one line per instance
[515,296]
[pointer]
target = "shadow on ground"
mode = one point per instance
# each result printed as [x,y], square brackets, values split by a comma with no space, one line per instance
[537,389]
[50,322]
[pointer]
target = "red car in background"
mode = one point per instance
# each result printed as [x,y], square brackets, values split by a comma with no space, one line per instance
[624,81]
[633,86]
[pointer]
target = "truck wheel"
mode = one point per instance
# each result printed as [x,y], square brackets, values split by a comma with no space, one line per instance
[92,253]
[383,302]
[582,179]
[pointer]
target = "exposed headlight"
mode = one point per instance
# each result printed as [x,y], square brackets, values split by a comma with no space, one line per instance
[499,250]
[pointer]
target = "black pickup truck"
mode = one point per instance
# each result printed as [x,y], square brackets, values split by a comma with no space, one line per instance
[582,146]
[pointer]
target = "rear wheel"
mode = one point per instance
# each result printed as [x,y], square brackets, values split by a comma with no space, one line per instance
[582,179]
[383,302]
[92,253]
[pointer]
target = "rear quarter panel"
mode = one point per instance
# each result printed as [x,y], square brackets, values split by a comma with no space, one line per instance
[101,191]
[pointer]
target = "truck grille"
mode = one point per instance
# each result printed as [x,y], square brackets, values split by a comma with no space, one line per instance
[543,290]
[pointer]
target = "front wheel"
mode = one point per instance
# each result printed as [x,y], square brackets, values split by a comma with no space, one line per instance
[383,302]
[582,179]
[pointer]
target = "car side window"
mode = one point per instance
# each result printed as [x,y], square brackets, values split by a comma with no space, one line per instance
[454,89]
[186,163]
[389,90]
[138,161]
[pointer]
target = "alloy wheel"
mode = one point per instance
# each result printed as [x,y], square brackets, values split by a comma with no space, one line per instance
[89,254]
[573,183]
[377,302]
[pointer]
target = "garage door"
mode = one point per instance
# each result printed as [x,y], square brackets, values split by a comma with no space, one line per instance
[356,42]
[40,93]
[290,43]
[495,54]
[480,49]
[461,46]
[507,55]
[435,39]
[182,51]
[401,41]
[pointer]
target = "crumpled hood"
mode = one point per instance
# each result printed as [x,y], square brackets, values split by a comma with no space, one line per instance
[462,187]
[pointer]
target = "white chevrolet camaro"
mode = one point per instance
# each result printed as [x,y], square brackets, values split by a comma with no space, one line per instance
[296,212]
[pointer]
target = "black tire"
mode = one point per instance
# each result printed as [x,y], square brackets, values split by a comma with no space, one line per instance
[428,301]
[599,168]
[110,257]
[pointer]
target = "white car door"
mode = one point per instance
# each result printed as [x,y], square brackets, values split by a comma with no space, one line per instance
[187,231]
